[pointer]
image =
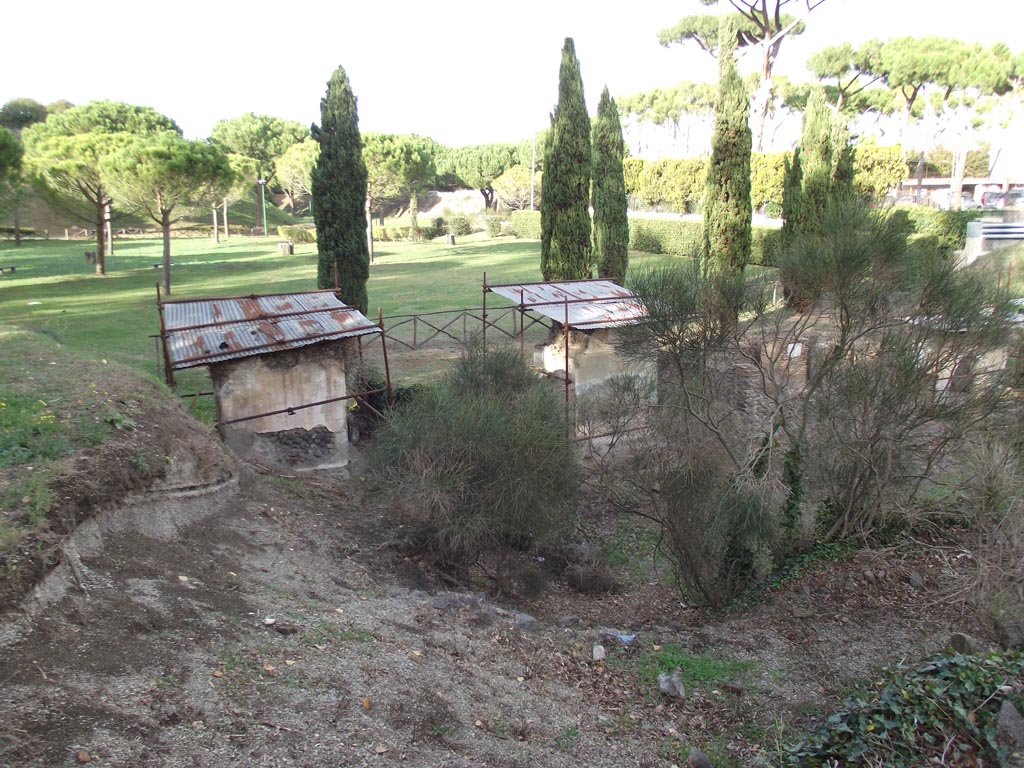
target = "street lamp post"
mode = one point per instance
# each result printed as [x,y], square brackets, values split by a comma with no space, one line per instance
[263,199]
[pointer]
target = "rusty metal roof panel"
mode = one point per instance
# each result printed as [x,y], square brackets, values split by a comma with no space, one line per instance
[591,304]
[206,331]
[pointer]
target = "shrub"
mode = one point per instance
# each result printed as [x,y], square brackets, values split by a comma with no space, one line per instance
[526,224]
[482,462]
[917,713]
[949,227]
[685,238]
[459,225]
[297,233]
[493,226]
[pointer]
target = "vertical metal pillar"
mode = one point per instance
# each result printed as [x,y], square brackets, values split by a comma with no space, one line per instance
[483,336]
[522,324]
[168,368]
[384,349]
[566,359]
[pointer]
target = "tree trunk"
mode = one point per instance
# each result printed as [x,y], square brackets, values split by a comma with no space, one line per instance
[369,227]
[17,226]
[216,228]
[956,181]
[227,234]
[101,245]
[166,226]
[108,230]
[488,197]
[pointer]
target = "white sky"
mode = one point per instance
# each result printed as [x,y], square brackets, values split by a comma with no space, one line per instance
[460,72]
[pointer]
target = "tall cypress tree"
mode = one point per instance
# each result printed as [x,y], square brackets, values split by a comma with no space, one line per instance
[565,252]
[793,209]
[816,161]
[727,207]
[339,189]
[611,225]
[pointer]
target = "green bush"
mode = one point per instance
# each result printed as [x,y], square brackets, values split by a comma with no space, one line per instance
[297,233]
[493,226]
[459,225]
[26,231]
[948,227]
[917,713]
[686,238]
[482,462]
[766,173]
[526,224]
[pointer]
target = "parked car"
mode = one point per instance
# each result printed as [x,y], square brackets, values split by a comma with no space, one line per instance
[1011,199]
[942,198]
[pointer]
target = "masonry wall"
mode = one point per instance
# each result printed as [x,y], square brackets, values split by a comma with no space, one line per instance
[592,359]
[309,438]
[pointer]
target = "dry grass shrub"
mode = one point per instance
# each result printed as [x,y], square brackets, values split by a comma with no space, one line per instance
[482,462]
[994,499]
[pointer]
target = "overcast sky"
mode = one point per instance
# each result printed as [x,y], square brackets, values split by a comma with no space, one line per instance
[460,72]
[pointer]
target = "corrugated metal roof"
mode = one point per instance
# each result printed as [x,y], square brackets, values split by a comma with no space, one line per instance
[204,331]
[592,304]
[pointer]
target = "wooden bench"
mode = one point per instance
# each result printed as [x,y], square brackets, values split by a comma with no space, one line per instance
[8,268]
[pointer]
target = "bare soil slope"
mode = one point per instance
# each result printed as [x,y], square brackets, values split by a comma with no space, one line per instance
[267,621]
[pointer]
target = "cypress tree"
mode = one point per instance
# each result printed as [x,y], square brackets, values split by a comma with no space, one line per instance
[727,207]
[843,155]
[792,199]
[611,225]
[339,188]
[565,252]
[816,160]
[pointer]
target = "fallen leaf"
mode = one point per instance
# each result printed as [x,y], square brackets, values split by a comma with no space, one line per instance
[289,662]
[381,750]
[656,647]
[83,757]
[183,579]
[367,704]
[268,668]
[218,673]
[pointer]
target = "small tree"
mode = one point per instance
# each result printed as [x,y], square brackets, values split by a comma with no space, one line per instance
[295,170]
[727,208]
[63,155]
[513,188]
[611,223]
[565,191]
[166,176]
[339,189]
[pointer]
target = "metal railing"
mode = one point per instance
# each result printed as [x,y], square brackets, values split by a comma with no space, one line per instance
[415,331]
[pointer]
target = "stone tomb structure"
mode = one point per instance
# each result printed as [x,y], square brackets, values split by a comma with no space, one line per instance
[588,311]
[281,367]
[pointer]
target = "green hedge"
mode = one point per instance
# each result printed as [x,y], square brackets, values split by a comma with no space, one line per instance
[394,234]
[297,233]
[949,228]
[526,224]
[677,186]
[686,238]
[26,231]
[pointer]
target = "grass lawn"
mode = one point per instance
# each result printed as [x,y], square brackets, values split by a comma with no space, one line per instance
[114,317]
[56,292]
